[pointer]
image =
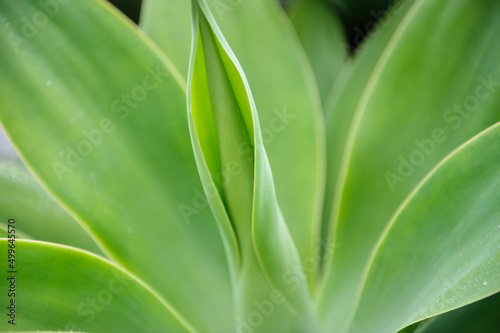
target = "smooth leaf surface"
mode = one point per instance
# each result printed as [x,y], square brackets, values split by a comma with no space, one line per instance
[414,81]
[286,97]
[322,36]
[228,142]
[6,150]
[342,101]
[106,133]
[79,291]
[441,249]
[168,23]
[37,215]
[4,231]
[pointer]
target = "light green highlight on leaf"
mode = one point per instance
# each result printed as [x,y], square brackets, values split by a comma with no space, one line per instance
[63,288]
[37,215]
[112,147]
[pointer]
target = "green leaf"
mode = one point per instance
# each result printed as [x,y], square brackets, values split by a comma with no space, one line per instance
[289,112]
[78,291]
[441,250]
[6,150]
[236,175]
[168,23]
[414,81]
[105,131]
[342,101]
[37,215]
[4,231]
[286,97]
[481,316]
[322,36]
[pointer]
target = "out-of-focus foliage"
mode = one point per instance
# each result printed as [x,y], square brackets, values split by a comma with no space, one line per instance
[229,166]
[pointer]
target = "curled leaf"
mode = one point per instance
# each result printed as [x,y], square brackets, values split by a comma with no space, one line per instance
[237,179]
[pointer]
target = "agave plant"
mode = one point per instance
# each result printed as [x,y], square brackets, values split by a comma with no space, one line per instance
[230,167]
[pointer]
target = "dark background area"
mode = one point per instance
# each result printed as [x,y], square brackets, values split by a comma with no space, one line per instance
[131,8]
[358,17]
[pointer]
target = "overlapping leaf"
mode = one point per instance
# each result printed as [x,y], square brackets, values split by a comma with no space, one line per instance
[98,115]
[441,250]
[418,107]
[6,150]
[38,216]
[342,101]
[322,36]
[235,172]
[168,23]
[78,292]
[285,95]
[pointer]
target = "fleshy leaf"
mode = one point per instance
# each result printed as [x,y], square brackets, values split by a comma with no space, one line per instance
[6,150]
[77,291]
[322,36]
[441,250]
[105,131]
[287,101]
[235,172]
[341,102]
[168,25]
[414,109]
[38,216]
